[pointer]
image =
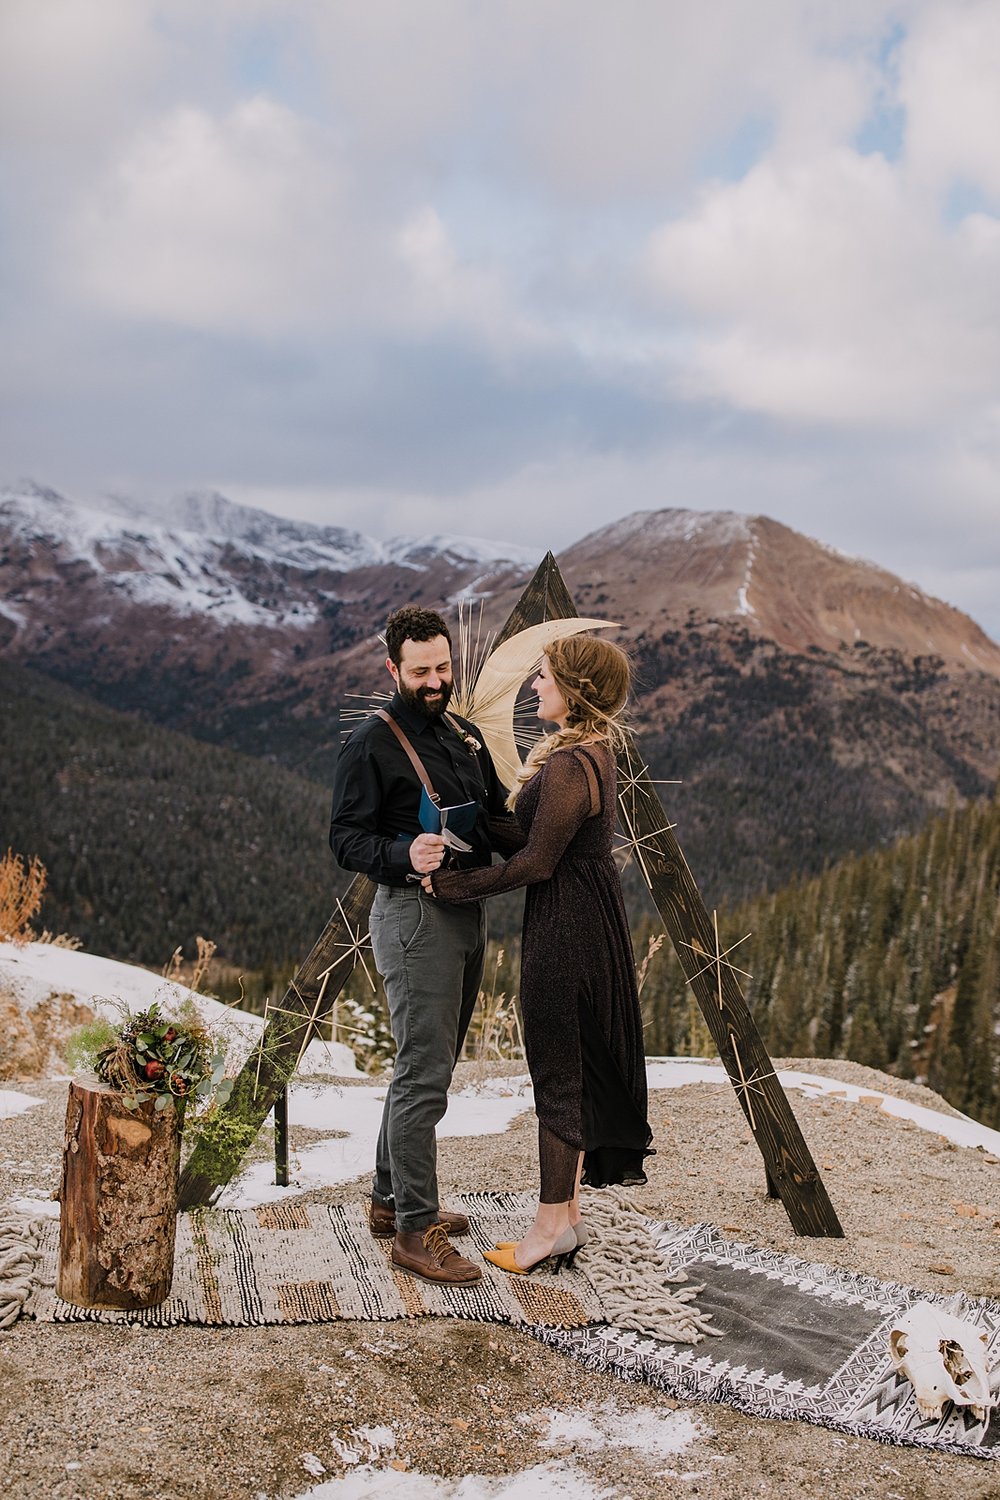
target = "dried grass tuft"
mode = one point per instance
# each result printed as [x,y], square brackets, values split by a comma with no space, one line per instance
[653,947]
[495,1033]
[22,886]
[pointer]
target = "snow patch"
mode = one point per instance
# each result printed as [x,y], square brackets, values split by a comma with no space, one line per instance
[365,1444]
[552,1481]
[323,1059]
[179,554]
[355,1114]
[743,605]
[414,552]
[674,1072]
[718,527]
[12,1103]
[32,972]
[591,1428]
[12,613]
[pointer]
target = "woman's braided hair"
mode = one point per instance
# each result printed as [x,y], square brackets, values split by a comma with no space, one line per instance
[593,676]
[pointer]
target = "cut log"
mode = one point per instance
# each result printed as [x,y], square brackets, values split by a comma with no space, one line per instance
[119,1200]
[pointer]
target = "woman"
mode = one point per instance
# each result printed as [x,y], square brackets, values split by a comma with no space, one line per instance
[582,1026]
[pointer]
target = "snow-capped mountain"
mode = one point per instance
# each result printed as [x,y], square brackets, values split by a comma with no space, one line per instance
[201,555]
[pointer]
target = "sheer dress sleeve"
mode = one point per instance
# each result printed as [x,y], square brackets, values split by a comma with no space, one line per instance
[506,835]
[563,808]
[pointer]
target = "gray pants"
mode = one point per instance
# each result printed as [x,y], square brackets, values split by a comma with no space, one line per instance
[430,956]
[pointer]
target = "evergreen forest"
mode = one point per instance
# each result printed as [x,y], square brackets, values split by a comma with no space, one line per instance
[151,838]
[891,958]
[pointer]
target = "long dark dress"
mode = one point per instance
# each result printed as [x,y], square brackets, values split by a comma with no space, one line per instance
[582,1025]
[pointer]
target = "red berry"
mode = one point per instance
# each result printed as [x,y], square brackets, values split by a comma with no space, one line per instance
[169,1034]
[154,1069]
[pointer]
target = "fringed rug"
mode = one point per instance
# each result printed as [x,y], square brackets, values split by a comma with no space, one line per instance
[771,1335]
[800,1342]
[318,1263]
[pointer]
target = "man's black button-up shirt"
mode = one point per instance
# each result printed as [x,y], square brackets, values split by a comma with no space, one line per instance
[376,793]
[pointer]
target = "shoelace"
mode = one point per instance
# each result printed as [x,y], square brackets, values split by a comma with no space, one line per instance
[436,1242]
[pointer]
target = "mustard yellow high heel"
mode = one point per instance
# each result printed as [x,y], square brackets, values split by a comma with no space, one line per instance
[579,1229]
[564,1248]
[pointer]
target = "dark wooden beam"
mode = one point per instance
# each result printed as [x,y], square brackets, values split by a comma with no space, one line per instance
[791,1173]
[546,597]
[281,1138]
[289,1027]
[790,1170]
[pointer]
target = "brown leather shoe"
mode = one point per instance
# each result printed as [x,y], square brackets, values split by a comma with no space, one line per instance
[429,1254]
[382,1221]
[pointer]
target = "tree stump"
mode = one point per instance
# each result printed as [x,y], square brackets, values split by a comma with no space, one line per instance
[119,1200]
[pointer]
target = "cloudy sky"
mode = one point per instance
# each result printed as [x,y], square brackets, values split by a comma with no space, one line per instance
[514,269]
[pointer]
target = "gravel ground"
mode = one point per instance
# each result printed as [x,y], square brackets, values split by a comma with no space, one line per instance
[115,1414]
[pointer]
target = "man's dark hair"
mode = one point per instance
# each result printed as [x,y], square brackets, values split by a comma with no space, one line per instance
[412,624]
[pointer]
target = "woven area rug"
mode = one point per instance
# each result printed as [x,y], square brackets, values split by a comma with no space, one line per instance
[795,1340]
[801,1342]
[317,1263]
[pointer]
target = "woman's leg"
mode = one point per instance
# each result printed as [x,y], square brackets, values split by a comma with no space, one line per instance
[574,1202]
[557,1164]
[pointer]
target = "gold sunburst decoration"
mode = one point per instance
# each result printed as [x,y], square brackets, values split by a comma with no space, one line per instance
[717,960]
[355,950]
[749,1085]
[636,783]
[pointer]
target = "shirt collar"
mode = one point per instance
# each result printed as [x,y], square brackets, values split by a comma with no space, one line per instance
[411,719]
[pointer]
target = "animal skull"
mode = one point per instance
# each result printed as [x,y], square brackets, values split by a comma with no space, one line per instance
[944,1359]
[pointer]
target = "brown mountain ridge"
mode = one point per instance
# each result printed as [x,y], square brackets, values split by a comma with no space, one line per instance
[811,704]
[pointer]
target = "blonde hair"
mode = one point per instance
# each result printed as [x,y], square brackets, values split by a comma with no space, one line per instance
[593,677]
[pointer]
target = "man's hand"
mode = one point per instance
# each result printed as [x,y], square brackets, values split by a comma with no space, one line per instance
[427,852]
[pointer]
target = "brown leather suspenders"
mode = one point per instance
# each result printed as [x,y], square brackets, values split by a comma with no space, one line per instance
[414,758]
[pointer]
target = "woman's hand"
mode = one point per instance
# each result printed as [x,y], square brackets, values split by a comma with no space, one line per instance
[427,885]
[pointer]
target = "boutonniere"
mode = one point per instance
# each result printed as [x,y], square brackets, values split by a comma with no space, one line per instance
[468,740]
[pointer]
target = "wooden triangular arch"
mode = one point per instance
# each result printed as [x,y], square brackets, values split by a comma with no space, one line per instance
[791,1172]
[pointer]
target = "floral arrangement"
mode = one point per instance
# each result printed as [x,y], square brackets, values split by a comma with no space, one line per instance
[152,1056]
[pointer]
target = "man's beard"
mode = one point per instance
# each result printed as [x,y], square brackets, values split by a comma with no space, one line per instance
[417,698]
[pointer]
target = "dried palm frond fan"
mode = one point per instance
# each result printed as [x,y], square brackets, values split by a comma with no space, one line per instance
[491,677]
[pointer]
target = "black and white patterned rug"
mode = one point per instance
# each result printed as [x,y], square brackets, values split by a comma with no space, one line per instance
[802,1342]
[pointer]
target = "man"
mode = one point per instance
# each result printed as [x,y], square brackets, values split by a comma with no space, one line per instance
[429,954]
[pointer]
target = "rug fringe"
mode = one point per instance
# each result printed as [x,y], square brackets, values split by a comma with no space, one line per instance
[628,1271]
[20,1253]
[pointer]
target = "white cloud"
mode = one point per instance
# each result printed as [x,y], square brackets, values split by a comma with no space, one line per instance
[825,291]
[252,223]
[239,223]
[72,70]
[446,292]
[582,98]
[950,88]
[384,257]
